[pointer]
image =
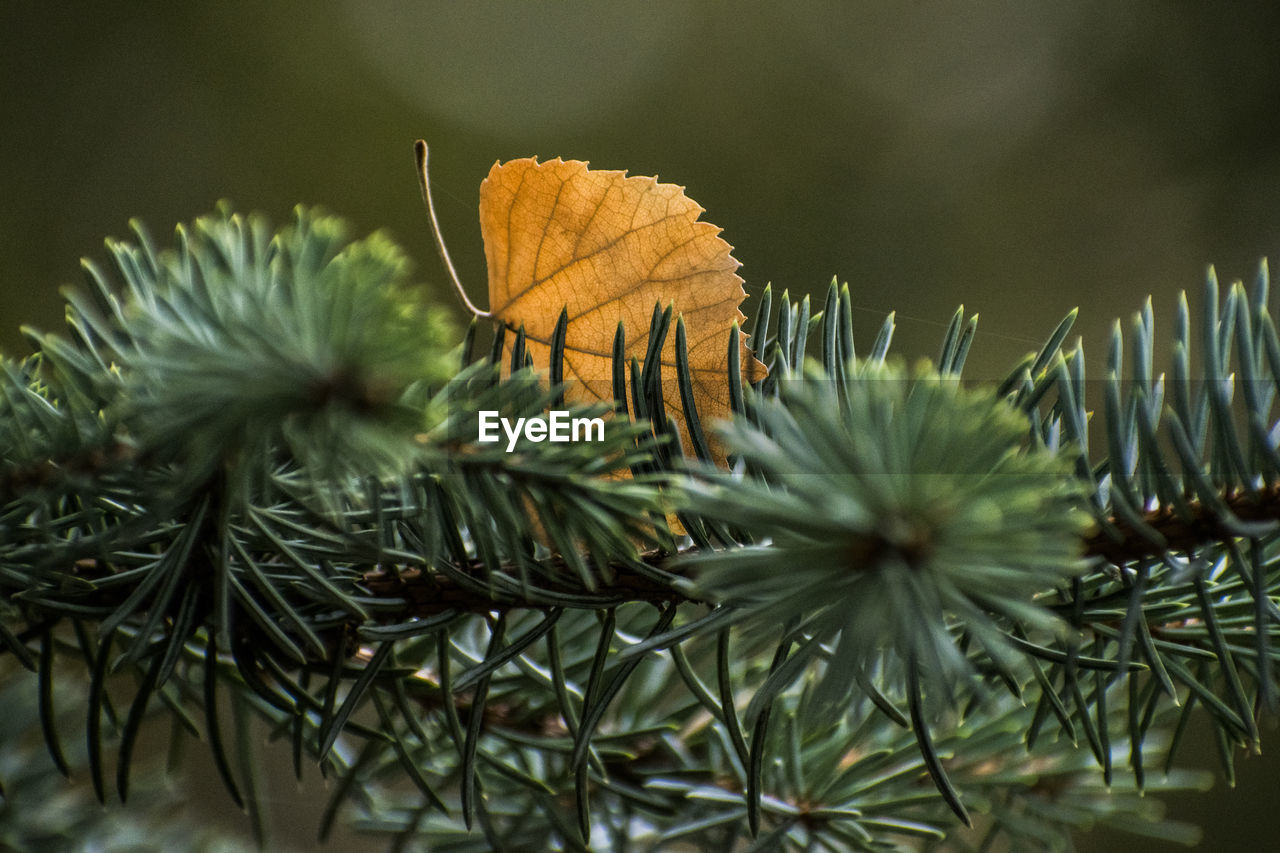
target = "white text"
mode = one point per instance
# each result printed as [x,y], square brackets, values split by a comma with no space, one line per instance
[556,426]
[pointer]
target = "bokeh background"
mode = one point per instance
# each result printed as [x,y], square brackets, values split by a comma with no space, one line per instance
[1019,158]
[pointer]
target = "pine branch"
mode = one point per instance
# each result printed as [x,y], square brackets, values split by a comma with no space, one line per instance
[1198,526]
[426,594]
[254,468]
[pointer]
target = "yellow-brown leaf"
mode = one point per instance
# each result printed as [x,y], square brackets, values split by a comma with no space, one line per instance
[607,247]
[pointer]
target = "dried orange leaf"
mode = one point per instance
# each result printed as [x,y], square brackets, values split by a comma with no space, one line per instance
[606,247]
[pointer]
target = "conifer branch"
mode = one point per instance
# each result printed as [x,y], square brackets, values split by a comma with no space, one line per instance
[251,469]
[1197,527]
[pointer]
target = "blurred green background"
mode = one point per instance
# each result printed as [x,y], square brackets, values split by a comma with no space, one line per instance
[1021,158]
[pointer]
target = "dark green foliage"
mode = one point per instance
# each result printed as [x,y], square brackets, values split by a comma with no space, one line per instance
[250,484]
